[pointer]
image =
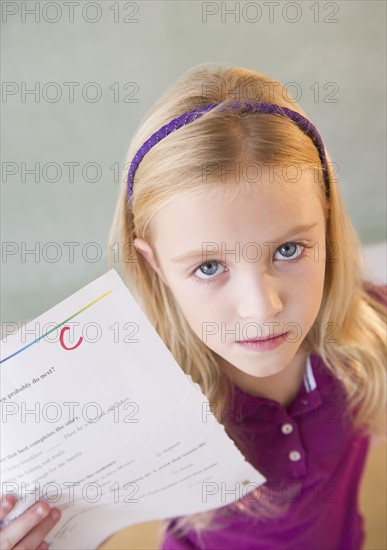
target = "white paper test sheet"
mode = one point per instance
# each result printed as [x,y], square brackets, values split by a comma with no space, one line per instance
[112,431]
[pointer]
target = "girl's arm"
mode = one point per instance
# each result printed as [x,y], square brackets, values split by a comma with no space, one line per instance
[29,529]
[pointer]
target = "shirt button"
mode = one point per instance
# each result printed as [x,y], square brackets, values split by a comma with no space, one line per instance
[294,456]
[286,428]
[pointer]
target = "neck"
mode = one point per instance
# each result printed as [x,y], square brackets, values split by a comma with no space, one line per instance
[281,387]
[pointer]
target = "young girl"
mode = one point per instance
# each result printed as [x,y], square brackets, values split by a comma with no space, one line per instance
[233,236]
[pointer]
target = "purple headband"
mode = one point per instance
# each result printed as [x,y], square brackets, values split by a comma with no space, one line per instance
[261,107]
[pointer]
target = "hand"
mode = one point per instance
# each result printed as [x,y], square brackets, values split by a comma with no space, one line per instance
[27,531]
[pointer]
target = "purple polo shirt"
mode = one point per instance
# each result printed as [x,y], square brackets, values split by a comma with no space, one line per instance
[313,463]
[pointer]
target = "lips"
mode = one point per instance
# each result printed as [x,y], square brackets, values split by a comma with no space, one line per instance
[263,344]
[263,339]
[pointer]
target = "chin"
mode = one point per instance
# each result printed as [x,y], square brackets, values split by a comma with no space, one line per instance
[261,365]
[257,367]
[261,371]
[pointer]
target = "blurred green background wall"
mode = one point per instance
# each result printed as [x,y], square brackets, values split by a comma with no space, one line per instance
[77,77]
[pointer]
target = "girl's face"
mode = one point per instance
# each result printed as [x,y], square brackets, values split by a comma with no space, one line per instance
[245,268]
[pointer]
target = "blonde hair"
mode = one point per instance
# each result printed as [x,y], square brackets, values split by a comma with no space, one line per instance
[356,356]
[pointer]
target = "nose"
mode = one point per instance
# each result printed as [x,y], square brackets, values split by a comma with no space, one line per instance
[259,298]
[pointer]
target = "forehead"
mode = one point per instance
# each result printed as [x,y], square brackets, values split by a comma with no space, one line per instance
[243,209]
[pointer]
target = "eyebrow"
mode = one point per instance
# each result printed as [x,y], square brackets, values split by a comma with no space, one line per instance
[199,253]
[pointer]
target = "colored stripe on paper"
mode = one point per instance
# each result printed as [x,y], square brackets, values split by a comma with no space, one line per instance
[56,327]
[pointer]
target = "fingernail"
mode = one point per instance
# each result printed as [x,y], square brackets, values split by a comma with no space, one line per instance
[40,511]
[55,514]
[5,505]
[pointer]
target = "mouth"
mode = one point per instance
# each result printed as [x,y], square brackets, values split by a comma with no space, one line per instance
[263,344]
[263,339]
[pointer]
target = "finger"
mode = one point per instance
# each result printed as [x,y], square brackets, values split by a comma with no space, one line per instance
[34,538]
[42,546]
[7,503]
[20,526]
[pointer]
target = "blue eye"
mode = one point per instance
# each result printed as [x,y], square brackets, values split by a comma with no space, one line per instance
[207,269]
[290,251]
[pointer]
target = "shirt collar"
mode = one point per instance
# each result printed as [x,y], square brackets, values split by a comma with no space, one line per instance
[307,397]
[309,379]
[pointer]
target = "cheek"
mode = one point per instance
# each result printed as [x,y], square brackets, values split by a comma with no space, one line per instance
[201,314]
[311,290]
[303,292]
[188,303]
[317,273]
[312,267]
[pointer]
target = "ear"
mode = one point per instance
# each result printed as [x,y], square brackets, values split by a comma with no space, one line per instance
[145,249]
